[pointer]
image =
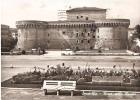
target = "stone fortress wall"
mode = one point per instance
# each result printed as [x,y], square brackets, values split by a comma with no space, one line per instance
[112,33]
[85,34]
[86,15]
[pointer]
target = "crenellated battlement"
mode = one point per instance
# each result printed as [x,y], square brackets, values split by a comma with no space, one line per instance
[112,22]
[31,24]
[72,24]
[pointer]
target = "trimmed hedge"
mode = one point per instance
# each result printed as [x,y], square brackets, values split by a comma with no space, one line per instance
[111,88]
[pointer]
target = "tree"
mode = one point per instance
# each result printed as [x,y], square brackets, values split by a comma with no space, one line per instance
[137,28]
[135,39]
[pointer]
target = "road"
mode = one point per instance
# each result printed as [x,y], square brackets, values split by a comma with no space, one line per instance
[37,94]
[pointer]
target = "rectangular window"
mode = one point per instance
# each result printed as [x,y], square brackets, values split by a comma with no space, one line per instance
[93,30]
[86,18]
[77,17]
[93,36]
[82,41]
[82,34]
[88,41]
[76,34]
[88,34]
[85,30]
[77,41]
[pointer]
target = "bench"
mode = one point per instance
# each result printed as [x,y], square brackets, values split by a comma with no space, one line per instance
[58,86]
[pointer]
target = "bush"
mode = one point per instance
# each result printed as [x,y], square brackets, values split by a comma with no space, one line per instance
[88,78]
[81,81]
[74,78]
[58,77]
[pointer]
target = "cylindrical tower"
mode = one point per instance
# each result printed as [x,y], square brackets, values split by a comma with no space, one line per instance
[112,34]
[31,34]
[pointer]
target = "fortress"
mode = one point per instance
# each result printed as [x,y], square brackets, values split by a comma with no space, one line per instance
[86,28]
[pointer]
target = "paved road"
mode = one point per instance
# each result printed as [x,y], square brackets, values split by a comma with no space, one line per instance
[105,61]
[37,94]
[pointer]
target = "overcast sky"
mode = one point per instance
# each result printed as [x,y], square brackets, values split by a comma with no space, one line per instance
[14,10]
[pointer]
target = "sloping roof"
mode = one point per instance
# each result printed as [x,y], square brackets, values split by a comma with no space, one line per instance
[86,9]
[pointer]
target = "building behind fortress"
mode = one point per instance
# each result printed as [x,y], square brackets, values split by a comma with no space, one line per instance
[86,28]
[7,41]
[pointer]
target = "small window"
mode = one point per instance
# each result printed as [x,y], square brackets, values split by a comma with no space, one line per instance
[91,48]
[77,17]
[82,34]
[98,30]
[98,37]
[63,32]
[88,41]
[93,36]
[93,30]
[88,34]
[85,30]
[81,16]
[48,34]
[77,48]
[82,41]
[76,34]
[77,41]
[86,18]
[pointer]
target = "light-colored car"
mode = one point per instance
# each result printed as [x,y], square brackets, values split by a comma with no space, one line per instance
[67,52]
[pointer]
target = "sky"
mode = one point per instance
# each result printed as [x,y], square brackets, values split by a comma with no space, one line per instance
[46,10]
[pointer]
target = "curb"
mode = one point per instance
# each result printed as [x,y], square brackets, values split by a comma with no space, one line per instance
[21,88]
